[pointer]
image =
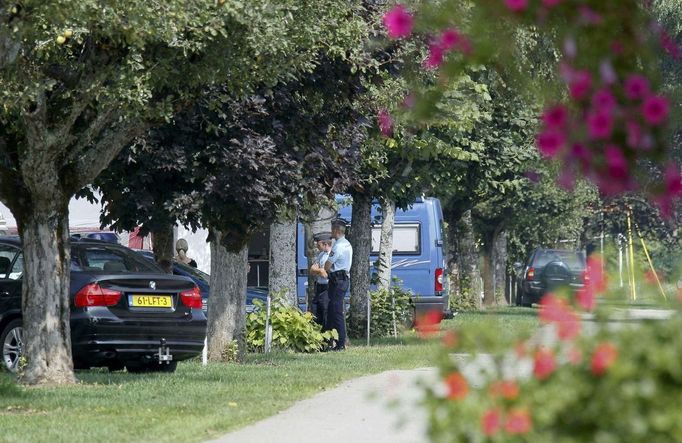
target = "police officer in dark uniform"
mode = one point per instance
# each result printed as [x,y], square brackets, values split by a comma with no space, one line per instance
[320,302]
[337,268]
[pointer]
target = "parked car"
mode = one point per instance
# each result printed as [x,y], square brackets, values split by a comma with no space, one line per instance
[547,270]
[125,312]
[202,279]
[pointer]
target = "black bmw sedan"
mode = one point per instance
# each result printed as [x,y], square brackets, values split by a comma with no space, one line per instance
[125,312]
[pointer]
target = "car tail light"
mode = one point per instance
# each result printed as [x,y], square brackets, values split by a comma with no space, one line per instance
[439,280]
[191,298]
[95,295]
[530,274]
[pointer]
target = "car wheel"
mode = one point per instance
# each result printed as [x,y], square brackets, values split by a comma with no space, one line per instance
[138,367]
[12,340]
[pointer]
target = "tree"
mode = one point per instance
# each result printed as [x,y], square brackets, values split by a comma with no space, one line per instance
[81,80]
[244,163]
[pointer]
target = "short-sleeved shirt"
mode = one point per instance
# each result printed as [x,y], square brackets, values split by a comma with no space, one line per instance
[321,260]
[341,255]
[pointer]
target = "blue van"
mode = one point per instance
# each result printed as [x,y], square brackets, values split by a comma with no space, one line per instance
[418,258]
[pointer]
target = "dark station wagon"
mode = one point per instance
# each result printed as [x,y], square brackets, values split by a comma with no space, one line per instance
[125,311]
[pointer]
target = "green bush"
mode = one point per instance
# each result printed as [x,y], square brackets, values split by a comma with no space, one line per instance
[616,382]
[292,329]
[383,310]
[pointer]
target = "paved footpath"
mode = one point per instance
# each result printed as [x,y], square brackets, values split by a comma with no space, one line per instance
[377,408]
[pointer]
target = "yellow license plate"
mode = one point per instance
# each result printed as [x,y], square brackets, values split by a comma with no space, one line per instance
[152,301]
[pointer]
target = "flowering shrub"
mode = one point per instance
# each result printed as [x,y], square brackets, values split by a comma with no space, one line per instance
[613,114]
[574,380]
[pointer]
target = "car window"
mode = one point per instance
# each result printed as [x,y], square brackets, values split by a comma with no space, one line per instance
[17,268]
[113,260]
[405,238]
[7,254]
[194,272]
[575,260]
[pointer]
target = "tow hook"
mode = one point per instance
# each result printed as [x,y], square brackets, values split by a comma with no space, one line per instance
[164,354]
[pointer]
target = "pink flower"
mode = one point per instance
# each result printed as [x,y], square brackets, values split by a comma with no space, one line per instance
[544,364]
[428,324]
[673,180]
[603,358]
[669,45]
[616,163]
[608,74]
[518,422]
[594,273]
[582,154]
[551,3]
[553,309]
[566,179]
[634,134]
[604,99]
[555,117]
[575,356]
[590,16]
[600,124]
[435,57]
[399,22]
[580,84]
[385,123]
[569,328]
[491,422]
[636,87]
[450,39]
[655,109]
[550,142]
[516,5]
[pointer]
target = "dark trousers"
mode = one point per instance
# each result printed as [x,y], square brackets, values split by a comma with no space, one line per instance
[335,318]
[320,303]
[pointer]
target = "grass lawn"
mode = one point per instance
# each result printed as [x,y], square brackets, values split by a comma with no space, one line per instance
[199,403]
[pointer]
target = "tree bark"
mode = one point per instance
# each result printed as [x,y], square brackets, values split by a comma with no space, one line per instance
[282,274]
[227,303]
[488,273]
[44,232]
[500,264]
[386,244]
[162,243]
[361,241]
[469,262]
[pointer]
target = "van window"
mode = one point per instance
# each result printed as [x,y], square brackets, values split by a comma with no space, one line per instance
[405,238]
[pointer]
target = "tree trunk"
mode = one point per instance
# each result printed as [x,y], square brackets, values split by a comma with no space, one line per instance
[45,294]
[500,264]
[282,273]
[488,273]
[361,241]
[386,244]
[162,243]
[469,262]
[321,223]
[227,303]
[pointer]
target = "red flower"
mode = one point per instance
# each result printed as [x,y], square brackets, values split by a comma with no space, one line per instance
[575,356]
[458,388]
[450,339]
[491,422]
[398,22]
[569,328]
[605,355]
[518,422]
[544,364]
[585,298]
[553,309]
[507,389]
[429,323]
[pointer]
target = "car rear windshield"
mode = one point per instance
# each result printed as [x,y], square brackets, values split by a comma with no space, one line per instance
[110,259]
[575,260]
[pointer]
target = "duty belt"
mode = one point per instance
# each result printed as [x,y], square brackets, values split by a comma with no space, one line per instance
[338,275]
